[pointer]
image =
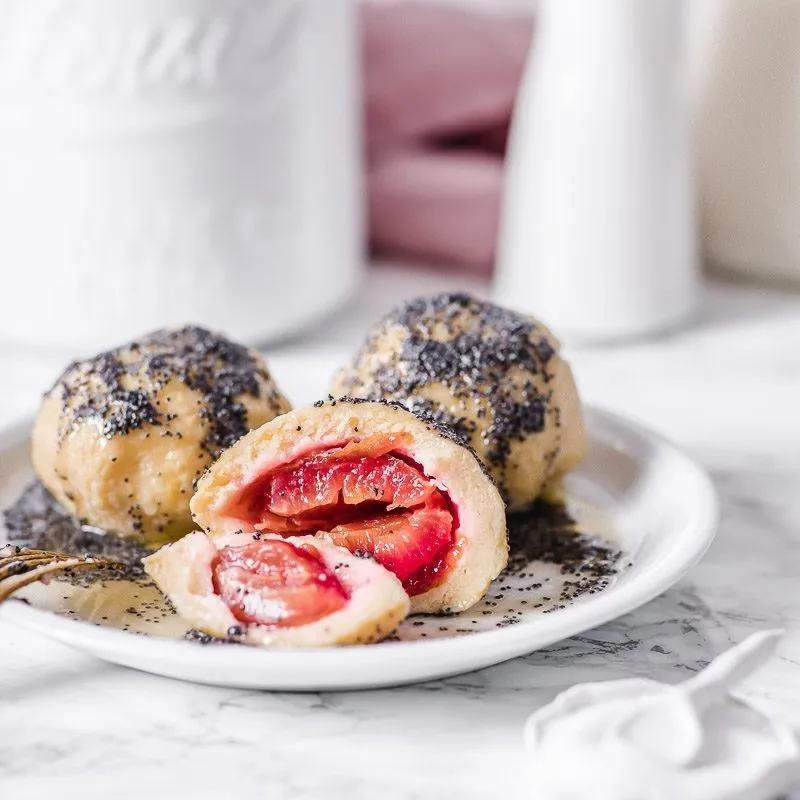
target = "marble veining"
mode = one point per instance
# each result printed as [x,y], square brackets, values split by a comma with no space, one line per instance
[727,390]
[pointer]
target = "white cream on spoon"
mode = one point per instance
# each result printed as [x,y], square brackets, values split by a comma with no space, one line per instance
[639,739]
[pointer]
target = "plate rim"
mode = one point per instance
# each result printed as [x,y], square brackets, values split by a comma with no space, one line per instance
[478,650]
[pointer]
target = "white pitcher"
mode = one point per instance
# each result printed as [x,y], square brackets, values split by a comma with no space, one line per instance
[165,161]
[598,234]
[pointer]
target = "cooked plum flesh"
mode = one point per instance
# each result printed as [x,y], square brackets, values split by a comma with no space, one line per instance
[370,497]
[273,583]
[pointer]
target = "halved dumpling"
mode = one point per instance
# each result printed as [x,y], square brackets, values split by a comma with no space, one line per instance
[266,590]
[375,479]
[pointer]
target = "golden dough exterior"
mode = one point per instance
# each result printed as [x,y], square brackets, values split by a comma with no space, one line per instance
[121,439]
[494,376]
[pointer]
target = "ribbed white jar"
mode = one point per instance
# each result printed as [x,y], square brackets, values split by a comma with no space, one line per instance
[164,161]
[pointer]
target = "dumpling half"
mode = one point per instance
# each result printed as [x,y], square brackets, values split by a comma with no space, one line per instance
[374,479]
[274,591]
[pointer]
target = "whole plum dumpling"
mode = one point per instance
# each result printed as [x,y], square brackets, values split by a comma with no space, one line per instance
[121,438]
[494,376]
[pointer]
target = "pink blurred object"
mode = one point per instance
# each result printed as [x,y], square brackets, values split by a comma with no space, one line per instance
[439,84]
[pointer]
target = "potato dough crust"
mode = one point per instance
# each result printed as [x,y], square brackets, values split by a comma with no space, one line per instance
[121,438]
[494,376]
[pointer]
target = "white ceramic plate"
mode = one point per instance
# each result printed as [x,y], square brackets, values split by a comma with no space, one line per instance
[635,489]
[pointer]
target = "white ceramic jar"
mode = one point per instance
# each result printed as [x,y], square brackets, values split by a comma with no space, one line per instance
[165,161]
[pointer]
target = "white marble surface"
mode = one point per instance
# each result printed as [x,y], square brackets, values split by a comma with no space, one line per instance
[727,390]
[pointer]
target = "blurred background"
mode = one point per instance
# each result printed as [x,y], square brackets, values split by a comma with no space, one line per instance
[287,170]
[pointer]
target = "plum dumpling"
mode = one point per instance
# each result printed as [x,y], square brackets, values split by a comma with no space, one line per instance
[121,438]
[493,376]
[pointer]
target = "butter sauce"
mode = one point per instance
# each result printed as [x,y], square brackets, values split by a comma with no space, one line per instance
[554,562]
